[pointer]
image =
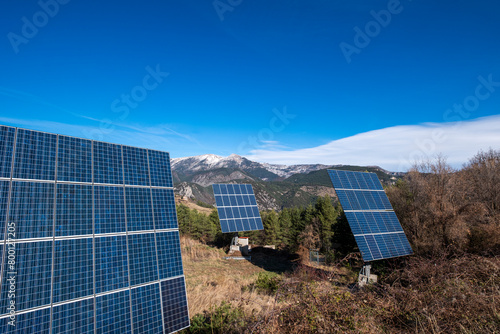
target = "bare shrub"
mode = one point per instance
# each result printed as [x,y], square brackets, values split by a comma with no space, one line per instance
[442,208]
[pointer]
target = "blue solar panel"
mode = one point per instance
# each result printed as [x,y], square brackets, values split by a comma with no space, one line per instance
[159,168]
[73,210]
[237,208]
[4,199]
[77,317]
[135,166]
[109,209]
[146,309]
[32,322]
[32,209]
[376,228]
[96,236]
[35,155]
[345,179]
[108,163]
[7,135]
[32,273]
[175,312]
[143,261]
[111,267]
[363,200]
[113,313]
[74,159]
[165,216]
[139,210]
[169,254]
[73,272]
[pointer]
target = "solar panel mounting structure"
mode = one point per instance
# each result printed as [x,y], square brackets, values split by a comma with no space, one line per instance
[89,239]
[370,215]
[237,209]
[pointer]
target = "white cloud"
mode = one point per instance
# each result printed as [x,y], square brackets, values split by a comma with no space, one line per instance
[397,148]
[159,137]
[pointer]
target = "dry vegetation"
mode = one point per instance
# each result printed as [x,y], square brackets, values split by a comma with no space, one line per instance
[457,295]
[212,280]
[192,205]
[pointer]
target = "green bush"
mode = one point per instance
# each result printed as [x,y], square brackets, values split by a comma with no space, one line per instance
[220,319]
[268,282]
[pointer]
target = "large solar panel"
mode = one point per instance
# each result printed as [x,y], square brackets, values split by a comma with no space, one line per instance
[237,208]
[89,232]
[376,228]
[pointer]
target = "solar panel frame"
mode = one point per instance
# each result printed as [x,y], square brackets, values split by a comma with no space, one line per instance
[90,219]
[237,208]
[370,215]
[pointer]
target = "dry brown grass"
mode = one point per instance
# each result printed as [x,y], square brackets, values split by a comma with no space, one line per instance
[192,205]
[211,280]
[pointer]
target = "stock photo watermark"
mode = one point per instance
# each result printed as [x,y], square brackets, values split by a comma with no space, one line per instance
[277,123]
[128,101]
[371,29]
[223,6]
[11,273]
[457,114]
[31,26]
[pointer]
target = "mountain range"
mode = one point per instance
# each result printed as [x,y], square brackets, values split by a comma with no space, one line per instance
[275,186]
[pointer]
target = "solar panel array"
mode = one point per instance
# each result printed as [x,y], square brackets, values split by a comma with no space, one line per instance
[237,208]
[89,237]
[376,228]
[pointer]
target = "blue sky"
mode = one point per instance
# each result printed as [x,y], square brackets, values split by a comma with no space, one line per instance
[337,82]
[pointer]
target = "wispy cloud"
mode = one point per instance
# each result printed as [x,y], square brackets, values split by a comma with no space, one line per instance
[272,145]
[159,137]
[397,148]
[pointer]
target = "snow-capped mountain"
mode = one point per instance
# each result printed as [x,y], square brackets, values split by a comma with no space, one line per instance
[263,171]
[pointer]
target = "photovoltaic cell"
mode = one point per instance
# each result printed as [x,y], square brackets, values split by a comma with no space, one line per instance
[73,274]
[146,309]
[376,228]
[74,159]
[77,317]
[111,267]
[113,313]
[237,208]
[169,254]
[175,312]
[91,250]
[7,135]
[73,209]
[35,156]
